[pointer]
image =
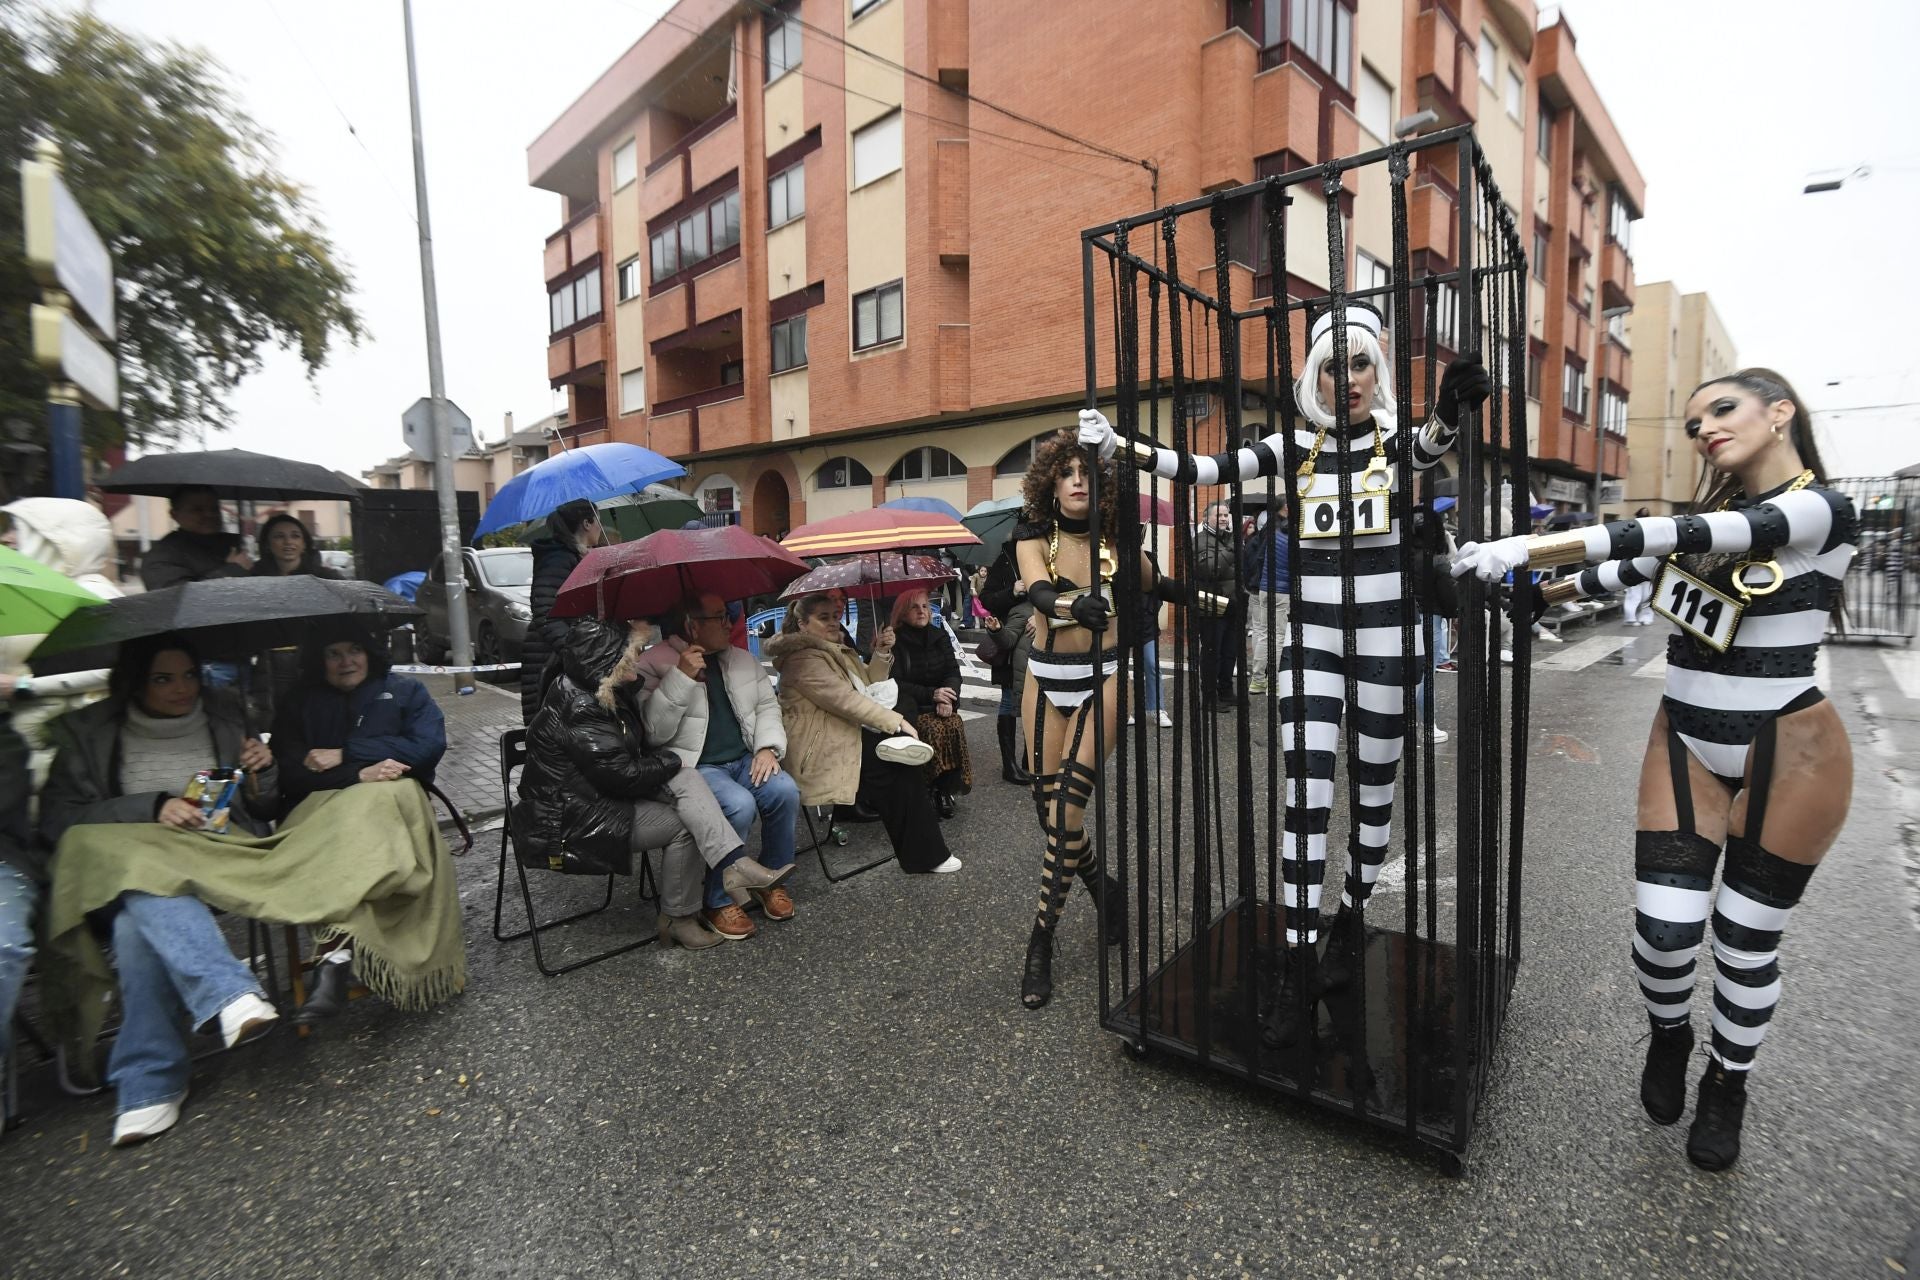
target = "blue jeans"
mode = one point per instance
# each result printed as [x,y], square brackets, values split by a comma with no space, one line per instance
[18,896]
[1437,629]
[1150,663]
[1009,698]
[776,802]
[171,958]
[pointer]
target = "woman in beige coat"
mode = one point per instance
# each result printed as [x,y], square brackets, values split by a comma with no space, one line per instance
[836,743]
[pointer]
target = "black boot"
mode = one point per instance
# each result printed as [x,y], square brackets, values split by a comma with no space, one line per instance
[1346,942]
[1663,1081]
[1113,924]
[942,799]
[1713,1143]
[1036,983]
[1011,770]
[329,994]
[1288,1023]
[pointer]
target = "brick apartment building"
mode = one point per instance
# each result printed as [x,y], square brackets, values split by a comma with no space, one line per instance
[826,252]
[1681,343]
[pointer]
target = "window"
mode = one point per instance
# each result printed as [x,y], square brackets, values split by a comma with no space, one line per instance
[876,149]
[783,45]
[574,301]
[633,391]
[626,163]
[1446,307]
[723,217]
[1613,413]
[1536,372]
[1617,327]
[786,195]
[1017,459]
[1516,94]
[790,343]
[1620,221]
[1321,29]
[877,316]
[861,6]
[1540,254]
[732,372]
[665,254]
[926,464]
[842,473]
[629,279]
[1574,389]
[1375,104]
[693,238]
[1543,145]
[1371,273]
[1489,60]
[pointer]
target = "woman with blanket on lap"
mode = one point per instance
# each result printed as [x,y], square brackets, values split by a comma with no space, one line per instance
[350,720]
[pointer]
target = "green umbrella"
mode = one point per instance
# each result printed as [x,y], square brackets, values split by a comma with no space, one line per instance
[34,598]
[991,521]
[635,515]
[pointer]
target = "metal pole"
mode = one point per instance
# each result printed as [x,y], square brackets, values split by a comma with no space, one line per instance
[460,644]
[66,470]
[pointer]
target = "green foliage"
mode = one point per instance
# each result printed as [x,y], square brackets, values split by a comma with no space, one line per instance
[513,535]
[218,256]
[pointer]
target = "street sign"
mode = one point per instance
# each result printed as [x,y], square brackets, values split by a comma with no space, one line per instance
[416,428]
[62,247]
[63,347]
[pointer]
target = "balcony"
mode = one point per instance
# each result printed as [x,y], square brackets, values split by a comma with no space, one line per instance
[1286,113]
[1430,208]
[1616,276]
[1226,145]
[714,418]
[1577,336]
[953,234]
[1616,363]
[573,243]
[1444,76]
[572,357]
[714,149]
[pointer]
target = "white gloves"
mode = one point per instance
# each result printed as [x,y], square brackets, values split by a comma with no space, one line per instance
[1096,430]
[1490,561]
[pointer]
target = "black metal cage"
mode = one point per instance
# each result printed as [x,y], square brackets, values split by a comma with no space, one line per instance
[1191,818]
[1883,586]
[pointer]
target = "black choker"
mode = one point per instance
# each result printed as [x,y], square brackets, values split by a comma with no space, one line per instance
[1068,524]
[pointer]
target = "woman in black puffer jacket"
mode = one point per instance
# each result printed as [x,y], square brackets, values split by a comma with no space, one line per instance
[576,531]
[927,669]
[593,792]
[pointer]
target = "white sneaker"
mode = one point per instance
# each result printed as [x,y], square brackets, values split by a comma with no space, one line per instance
[1130,721]
[1548,636]
[1166,721]
[244,1018]
[142,1123]
[1257,684]
[904,750]
[1506,656]
[951,865]
[1439,734]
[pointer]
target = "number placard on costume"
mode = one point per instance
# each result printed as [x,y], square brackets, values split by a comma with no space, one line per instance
[1709,616]
[1320,517]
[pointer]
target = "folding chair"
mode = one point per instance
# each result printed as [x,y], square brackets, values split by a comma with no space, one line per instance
[838,834]
[513,755]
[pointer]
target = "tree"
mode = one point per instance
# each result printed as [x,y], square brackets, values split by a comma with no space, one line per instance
[218,256]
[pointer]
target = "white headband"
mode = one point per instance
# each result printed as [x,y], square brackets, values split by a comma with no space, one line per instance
[1359,316]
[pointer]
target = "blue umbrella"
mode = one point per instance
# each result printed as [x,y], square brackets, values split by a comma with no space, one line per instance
[405,585]
[934,505]
[598,471]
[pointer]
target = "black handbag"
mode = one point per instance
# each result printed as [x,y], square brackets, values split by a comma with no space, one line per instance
[1433,583]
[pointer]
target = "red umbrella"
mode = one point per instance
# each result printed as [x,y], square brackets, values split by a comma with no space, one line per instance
[1156,511]
[878,529]
[648,578]
[871,576]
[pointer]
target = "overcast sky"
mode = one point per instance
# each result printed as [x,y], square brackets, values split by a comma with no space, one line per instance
[1726,105]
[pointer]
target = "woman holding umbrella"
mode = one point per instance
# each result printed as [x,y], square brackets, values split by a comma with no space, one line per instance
[576,530]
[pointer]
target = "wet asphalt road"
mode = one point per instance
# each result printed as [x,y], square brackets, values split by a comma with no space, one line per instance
[859,1092]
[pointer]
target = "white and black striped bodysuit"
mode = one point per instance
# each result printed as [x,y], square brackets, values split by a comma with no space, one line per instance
[1717,702]
[1323,619]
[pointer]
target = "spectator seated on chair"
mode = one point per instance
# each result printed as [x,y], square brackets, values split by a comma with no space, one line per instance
[23,870]
[595,792]
[713,704]
[126,761]
[927,670]
[350,720]
[837,748]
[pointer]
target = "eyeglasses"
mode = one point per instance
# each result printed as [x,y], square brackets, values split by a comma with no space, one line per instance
[705,617]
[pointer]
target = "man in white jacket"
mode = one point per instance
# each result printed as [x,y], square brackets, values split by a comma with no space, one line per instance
[714,705]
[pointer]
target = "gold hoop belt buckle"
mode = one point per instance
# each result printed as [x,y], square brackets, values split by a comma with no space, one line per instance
[1747,592]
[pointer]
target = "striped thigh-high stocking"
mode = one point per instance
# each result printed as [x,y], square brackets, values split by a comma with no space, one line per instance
[1758,891]
[1673,874]
[1060,801]
[1380,717]
[1303,855]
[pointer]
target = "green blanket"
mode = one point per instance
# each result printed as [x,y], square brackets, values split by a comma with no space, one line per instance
[366,864]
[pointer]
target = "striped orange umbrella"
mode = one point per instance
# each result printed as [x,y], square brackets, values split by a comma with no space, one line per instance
[878,529]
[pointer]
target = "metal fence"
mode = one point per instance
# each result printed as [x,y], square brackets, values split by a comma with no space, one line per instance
[1192,819]
[1883,586]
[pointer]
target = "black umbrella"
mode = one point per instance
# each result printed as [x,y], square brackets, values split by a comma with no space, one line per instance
[231,473]
[226,618]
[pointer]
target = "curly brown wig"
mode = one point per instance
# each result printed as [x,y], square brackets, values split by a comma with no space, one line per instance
[1050,461]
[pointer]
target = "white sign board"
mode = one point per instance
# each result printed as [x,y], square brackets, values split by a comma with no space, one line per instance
[416,428]
[1566,491]
[63,347]
[62,246]
[1613,491]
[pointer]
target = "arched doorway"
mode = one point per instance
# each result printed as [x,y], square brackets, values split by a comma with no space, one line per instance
[771,514]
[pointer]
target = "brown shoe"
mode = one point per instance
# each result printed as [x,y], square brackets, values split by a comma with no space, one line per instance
[730,922]
[688,932]
[777,903]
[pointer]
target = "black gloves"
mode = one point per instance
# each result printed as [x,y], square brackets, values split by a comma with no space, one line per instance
[1465,383]
[1092,612]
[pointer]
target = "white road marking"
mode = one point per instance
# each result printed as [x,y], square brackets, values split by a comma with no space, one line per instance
[1584,654]
[1904,665]
[1654,670]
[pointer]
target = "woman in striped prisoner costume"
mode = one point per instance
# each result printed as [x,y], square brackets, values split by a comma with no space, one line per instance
[1360,443]
[1745,749]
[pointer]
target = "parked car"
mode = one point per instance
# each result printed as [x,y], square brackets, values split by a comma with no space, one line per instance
[339,562]
[499,584]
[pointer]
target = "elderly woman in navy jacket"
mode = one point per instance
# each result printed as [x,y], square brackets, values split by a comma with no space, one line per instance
[351,720]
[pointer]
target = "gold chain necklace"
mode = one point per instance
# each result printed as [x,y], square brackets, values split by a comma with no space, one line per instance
[1101,554]
[1747,593]
[1375,479]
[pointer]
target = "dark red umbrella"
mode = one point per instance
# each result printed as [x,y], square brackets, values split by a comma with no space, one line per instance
[871,576]
[1156,511]
[648,578]
[878,529]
